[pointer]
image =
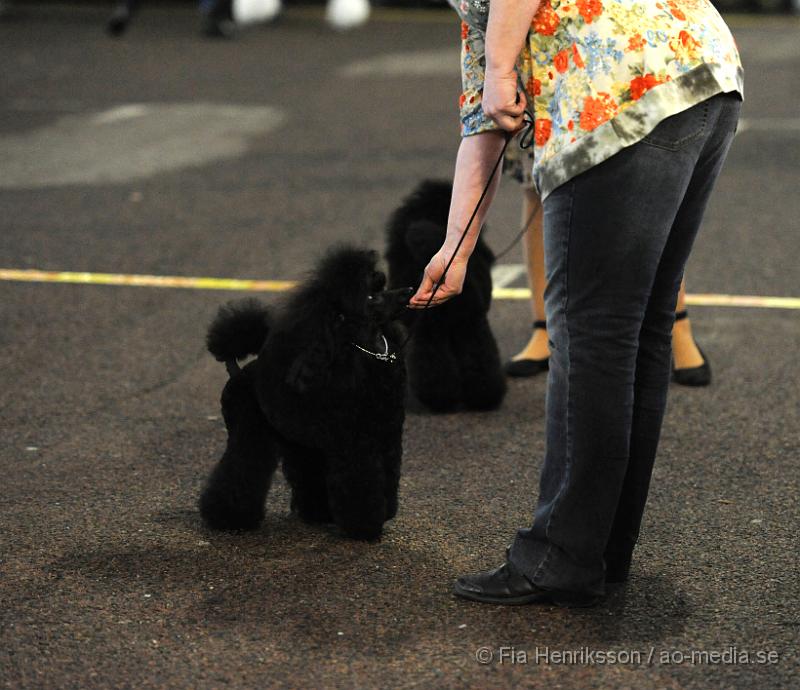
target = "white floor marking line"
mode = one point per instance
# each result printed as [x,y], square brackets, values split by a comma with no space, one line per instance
[504,275]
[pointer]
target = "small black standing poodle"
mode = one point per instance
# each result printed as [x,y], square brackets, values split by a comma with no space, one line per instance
[325,396]
[452,357]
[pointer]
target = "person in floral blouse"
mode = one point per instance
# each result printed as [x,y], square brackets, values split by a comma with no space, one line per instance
[635,104]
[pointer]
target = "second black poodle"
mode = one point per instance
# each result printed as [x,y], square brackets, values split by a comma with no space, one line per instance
[325,396]
[452,357]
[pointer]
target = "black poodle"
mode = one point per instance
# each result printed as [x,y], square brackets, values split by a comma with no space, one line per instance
[325,395]
[452,356]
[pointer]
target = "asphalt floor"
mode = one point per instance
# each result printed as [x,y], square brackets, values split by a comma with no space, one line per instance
[167,154]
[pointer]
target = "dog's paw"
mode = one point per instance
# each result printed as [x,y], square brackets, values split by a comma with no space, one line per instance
[219,512]
[370,533]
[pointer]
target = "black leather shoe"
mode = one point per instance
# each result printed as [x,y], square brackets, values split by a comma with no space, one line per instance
[506,585]
[523,368]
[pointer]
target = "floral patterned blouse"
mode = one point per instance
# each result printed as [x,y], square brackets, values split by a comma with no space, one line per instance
[601,74]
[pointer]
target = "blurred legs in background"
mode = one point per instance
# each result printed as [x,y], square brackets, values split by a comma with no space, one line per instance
[347,14]
[340,14]
[121,16]
[532,359]
[690,366]
[220,17]
[217,17]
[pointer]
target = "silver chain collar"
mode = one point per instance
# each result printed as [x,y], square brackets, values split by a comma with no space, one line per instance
[384,356]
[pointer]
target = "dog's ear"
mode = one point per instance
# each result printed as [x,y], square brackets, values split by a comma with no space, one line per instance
[423,239]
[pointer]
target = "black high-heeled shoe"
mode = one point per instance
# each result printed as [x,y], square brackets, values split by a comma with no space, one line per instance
[691,376]
[522,368]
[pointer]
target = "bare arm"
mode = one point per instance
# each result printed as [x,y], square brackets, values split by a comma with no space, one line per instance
[476,157]
[509,23]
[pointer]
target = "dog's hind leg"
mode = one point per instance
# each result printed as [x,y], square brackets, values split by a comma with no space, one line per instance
[233,498]
[305,470]
[356,491]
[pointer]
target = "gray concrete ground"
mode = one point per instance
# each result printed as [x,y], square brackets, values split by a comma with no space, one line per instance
[164,154]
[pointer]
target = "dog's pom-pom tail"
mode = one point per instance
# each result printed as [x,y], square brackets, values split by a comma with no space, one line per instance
[239,329]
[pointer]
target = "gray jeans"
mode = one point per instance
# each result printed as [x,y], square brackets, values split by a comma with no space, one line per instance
[617,238]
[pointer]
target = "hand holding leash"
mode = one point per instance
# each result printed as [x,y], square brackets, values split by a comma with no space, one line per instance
[450,281]
[502,100]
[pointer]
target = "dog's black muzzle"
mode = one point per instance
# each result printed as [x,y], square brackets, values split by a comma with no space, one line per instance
[389,304]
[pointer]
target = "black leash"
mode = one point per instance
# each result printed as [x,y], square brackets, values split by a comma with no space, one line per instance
[525,141]
[518,236]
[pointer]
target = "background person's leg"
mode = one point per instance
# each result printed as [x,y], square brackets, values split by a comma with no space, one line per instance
[690,366]
[533,214]
[687,354]
[518,165]
[217,18]
[121,16]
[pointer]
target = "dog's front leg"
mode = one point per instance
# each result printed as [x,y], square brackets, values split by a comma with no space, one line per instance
[305,470]
[356,492]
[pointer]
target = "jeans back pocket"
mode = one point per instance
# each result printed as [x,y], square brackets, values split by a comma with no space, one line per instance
[674,132]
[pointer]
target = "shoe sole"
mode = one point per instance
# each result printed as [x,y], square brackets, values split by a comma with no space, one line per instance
[554,598]
[696,377]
